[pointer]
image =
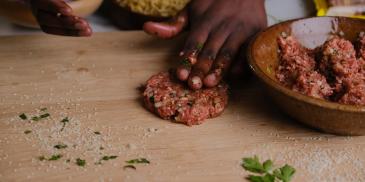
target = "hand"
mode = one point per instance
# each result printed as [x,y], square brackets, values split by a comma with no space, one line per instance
[56,17]
[218,28]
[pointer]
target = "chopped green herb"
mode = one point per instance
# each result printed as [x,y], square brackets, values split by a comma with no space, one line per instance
[97,133]
[60,146]
[129,166]
[23,116]
[186,62]
[105,158]
[43,109]
[64,121]
[55,157]
[27,131]
[101,148]
[42,158]
[152,99]
[44,115]
[35,118]
[80,162]
[68,160]
[138,161]
[253,165]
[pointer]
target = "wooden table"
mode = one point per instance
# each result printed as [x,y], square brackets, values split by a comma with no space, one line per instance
[94,82]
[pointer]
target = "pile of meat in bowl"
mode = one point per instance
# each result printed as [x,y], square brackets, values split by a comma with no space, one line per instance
[334,71]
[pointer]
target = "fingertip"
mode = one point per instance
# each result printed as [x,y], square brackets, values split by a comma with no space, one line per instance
[210,80]
[86,33]
[195,83]
[182,74]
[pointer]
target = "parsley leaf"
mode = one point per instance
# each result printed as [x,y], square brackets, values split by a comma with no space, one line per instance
[285,173]
[268,166]
[253,165]
[97,133]
[36,118]
[138,161]
[266,178]
[27,131]
[80,162]
[23,116]
[42,158]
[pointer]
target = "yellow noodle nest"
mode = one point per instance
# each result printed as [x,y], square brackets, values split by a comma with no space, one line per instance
[156,8]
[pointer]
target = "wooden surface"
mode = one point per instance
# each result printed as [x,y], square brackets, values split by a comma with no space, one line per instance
[94,81]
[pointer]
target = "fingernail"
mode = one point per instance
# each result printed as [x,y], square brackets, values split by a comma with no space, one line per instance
[196,82]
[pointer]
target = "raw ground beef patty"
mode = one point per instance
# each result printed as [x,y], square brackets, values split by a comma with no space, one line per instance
[333,71]
[171,99]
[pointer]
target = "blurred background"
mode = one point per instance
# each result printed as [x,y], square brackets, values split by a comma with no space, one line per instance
[113,15]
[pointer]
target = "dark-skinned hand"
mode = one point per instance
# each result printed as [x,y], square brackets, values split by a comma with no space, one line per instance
[218,28]
[56,17]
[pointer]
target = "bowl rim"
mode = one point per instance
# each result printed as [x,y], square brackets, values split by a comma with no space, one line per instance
[288,92]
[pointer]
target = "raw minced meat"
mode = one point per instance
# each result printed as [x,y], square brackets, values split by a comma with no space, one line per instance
[172,99]
[335,71]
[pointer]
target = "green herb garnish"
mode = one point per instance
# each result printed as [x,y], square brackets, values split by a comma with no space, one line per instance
[23,116]
[186,62]
[44,115]
[152,99]
[60,146]
[105,158]
[55,157]
[68,160]
[138,161]
[64,121]
[35,118]
[265,171]
[101,148]
[80,162]
[129,166]
[27,131]
[284,173]
[97,133]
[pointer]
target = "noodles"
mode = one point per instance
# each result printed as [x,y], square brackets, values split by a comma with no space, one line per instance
[156,8]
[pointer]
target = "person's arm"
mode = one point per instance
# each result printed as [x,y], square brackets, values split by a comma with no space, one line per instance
[56,17]
[218,28]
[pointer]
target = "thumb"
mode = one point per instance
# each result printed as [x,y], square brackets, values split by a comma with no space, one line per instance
[167,29]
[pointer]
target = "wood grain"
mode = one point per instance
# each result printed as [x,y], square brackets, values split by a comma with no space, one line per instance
[95,81]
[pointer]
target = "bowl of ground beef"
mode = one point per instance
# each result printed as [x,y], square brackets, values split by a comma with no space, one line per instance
[314,70]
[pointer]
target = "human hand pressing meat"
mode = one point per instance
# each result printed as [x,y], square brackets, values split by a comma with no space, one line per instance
[218,28]
[56,17]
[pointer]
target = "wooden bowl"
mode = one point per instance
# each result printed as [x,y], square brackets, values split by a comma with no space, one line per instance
[311,32]
[21,14]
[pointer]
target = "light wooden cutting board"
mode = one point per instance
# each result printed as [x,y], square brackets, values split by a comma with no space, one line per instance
[94,81]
